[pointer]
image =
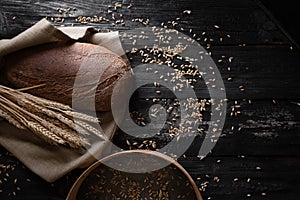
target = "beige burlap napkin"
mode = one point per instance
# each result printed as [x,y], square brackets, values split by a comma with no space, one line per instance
[52,162]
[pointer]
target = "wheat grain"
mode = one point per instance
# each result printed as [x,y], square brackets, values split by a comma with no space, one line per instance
[81,130]
[91,129]
[11,120]
[47,103]
[70,137]
[66,124]
[42,132]
[35,127]
[73,140]
[82,116]
[50,113]
[51,121]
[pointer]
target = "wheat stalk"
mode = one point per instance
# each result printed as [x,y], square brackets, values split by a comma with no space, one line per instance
[82,116]
[52,121]
[44,133]
[11,120]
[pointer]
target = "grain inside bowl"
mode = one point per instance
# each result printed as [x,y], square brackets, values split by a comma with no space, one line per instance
[105,182]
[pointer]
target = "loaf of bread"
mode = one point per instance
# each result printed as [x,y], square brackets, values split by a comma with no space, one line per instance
[57,65]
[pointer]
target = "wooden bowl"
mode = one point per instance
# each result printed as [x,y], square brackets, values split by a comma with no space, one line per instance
[96,181]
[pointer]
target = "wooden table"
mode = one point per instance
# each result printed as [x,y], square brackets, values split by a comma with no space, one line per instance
[257,156]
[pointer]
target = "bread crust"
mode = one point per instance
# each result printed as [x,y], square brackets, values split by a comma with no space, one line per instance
[57,65]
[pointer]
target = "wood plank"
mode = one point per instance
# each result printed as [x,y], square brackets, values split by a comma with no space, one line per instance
[265,72]
[269,135]
[272,178]
[244,21]
[261,129]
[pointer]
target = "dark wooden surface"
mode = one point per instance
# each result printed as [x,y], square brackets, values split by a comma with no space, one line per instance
[257,156]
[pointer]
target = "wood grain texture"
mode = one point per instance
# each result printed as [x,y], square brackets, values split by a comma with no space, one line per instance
[266,129]
[250,180]
[230,16]
[263,63]
[265,72]
[3,23]
[238,176]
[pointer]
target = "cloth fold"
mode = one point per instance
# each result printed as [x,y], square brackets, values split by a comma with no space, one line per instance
[53,162]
